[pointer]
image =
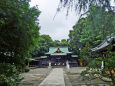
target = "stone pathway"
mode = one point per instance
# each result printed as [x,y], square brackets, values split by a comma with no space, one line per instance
[35,76]
[55,78]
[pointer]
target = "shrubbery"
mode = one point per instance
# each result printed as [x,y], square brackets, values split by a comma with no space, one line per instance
[27,69]
[95,70]
[9,75]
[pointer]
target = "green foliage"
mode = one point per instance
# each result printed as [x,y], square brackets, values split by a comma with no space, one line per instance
[90,32]
[83,5]
[27,69]
[99,22]
[64,42]
[75,36]
[19,32]
[95,70]
[56,43]
[43,45]
[85,53]
[109,66]
[92,29]
[9,75]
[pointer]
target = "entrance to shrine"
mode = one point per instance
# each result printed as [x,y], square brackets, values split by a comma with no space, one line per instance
[58,61]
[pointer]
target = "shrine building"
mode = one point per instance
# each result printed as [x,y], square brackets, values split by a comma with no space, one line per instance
[58,56]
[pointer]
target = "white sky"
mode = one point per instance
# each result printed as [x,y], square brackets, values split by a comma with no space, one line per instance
[59,27]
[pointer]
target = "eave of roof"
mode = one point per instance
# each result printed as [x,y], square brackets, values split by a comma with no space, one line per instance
[104,44]
[41,57]
[74,56]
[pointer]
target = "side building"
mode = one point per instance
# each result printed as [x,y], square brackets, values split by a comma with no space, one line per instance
[103,48]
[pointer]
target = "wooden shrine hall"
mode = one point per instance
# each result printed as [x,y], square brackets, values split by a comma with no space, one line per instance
[57,56]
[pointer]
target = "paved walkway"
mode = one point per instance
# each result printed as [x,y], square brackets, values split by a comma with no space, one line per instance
[55,78]
[35,76]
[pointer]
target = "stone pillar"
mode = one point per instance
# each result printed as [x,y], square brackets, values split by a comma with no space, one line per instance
[102,65]
[67,66]
[49,66]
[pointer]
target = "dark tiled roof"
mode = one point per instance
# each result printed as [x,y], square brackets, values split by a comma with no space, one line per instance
[104,44]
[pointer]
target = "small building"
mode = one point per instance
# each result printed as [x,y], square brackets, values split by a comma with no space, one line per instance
[101,50]
[39,61]
[58,56]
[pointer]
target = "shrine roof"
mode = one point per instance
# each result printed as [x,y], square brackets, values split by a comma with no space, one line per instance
[63,51]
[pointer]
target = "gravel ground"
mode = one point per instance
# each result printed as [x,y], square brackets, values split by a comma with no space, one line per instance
[76,80]
[35,76]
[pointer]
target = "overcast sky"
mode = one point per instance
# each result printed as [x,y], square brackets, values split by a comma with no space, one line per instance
[59,27]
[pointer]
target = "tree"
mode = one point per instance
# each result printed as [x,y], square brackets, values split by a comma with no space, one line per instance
[64,42]
[84,5]
[44,43]
[56,43]
[85,53]
[97,28]
[75,36]
[92,29]
[100,28]
[19,32]
[100,24]
[99,21]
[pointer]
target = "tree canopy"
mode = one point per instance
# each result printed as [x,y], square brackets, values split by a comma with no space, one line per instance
[93,29]
[45,41]
[19,32]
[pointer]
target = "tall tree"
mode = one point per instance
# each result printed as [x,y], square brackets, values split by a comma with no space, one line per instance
[19,32]
[97,27]
[75,36]
[93,29]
